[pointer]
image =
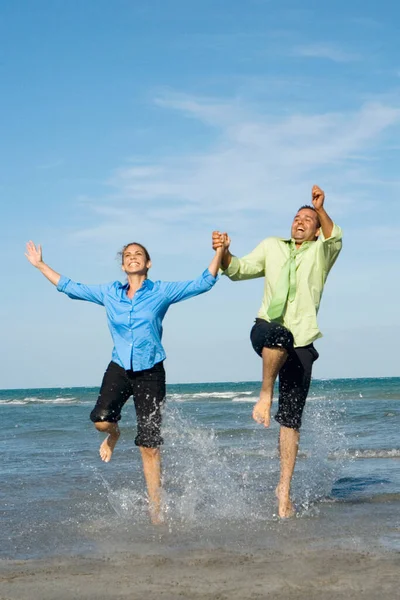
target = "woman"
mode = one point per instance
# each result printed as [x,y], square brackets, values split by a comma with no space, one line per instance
[135,311]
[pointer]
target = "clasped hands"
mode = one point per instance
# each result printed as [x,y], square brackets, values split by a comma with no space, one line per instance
[220,240]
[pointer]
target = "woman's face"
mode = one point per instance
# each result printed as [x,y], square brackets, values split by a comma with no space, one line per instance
[134,261]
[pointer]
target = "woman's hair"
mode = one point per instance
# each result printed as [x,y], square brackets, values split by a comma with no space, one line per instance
[122,252]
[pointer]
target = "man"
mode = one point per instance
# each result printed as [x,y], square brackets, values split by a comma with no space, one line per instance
[295,272]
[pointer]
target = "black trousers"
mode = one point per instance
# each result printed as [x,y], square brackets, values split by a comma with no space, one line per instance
[294,376]
[148,390]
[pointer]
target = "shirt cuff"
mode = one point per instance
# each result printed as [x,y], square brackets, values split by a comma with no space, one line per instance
[233,267]
[209,277]
[336,234]
[62,284]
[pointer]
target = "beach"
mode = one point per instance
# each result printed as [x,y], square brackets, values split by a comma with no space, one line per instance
[73,527]
[209,575]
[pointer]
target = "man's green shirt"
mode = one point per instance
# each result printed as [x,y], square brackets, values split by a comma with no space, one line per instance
[313,261]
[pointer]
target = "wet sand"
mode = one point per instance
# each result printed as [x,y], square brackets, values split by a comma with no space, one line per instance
[324,574]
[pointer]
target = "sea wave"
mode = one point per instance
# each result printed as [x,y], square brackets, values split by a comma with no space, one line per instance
[228,395]
[372,499]
[246,399]
[366,453]
[34,400]
[234,396]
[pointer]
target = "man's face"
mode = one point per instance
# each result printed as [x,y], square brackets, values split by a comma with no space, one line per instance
[305,226]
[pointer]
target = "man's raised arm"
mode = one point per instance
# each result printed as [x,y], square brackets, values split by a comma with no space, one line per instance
[318,199]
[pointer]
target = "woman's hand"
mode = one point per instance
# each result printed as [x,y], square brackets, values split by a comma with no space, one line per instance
[34,254]
[220,240]
[221,243]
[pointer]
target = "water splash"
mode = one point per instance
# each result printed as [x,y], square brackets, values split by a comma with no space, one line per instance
[208,481]
[325,437]
[200,480]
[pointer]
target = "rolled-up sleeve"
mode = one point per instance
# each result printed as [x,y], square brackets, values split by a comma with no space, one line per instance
[332,246]
[176,291]
[80,291]
[250,266]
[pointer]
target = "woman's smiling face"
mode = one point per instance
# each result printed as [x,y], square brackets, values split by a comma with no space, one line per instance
[134,261]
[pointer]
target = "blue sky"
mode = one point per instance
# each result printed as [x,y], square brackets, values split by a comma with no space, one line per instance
[159,121]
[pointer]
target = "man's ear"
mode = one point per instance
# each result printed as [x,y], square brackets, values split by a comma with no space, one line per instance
[318,233]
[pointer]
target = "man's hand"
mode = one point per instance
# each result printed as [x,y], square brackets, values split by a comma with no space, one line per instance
[318,197]
[220,240]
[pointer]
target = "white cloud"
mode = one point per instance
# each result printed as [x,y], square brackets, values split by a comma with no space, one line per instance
[259,166]
[325,51]
[51,165]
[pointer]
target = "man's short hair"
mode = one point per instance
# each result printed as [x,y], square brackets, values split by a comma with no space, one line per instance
[311,208]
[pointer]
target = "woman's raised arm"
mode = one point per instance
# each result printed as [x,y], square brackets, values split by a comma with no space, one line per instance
[34,255]
[215,264]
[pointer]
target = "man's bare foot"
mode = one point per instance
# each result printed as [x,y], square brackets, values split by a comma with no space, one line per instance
[285,505]
[107,447]
[262,409]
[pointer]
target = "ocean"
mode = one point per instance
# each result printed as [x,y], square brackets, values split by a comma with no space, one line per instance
[220,471]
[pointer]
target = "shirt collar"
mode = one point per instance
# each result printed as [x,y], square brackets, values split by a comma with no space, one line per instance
[291,241]
[146,285]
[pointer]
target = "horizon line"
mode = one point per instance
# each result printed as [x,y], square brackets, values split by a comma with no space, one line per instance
[77,387]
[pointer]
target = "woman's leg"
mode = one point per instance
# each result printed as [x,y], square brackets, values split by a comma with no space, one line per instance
[151,458]
[108,445]
[114,392]
[149,396]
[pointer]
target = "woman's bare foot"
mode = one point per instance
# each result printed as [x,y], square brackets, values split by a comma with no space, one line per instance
[285,505]
[156,516]
[262,409]
[107,447]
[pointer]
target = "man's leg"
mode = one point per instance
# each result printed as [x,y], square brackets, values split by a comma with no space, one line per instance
[271,341]
[288,447]
[294,383]
[273,360]
[114,392]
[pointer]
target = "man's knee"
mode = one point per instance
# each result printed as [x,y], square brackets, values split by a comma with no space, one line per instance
[278,352]
[290,414]
[270,335]
[289,433]
[149,452]
[289,422]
